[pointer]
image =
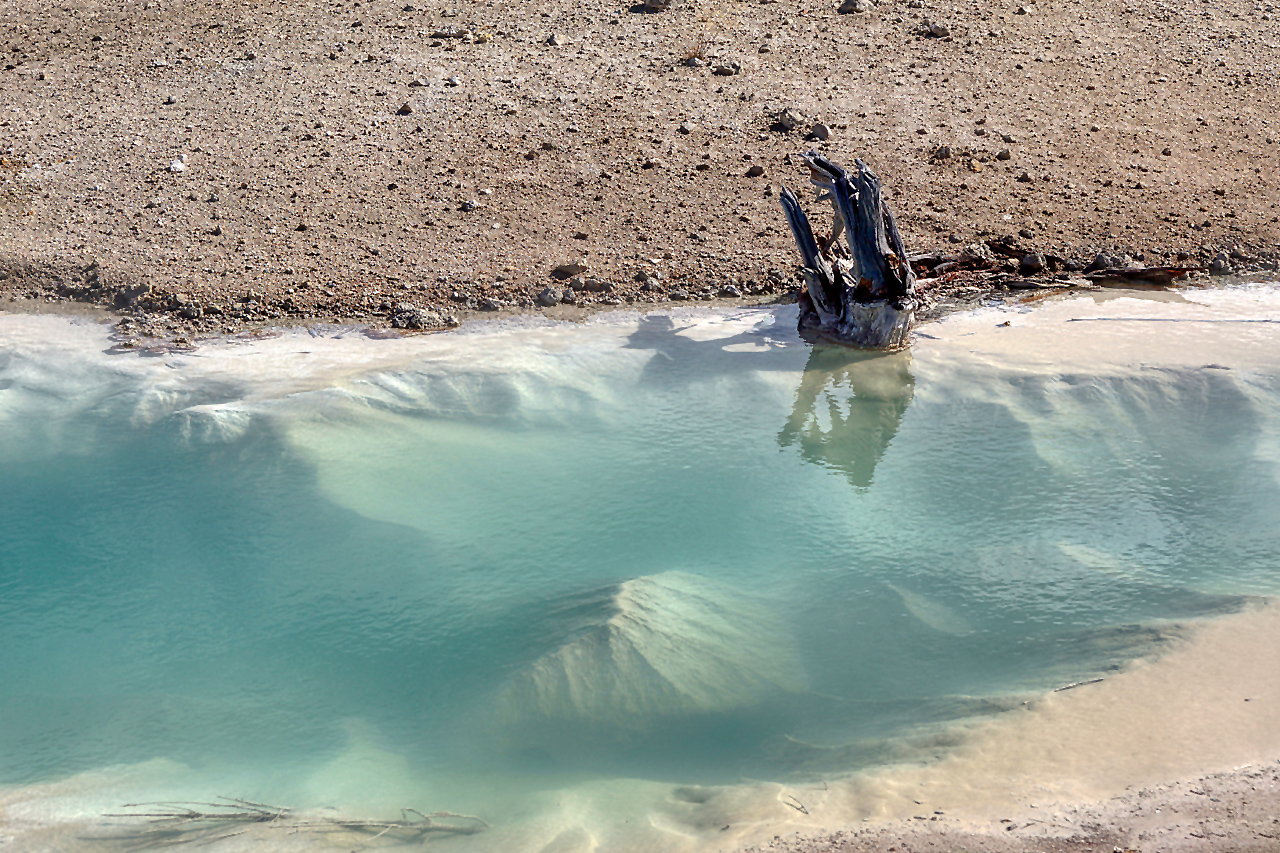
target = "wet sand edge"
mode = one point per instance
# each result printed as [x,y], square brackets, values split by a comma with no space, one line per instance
[1179,753]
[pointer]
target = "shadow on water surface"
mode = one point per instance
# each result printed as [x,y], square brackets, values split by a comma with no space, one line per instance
[679,358]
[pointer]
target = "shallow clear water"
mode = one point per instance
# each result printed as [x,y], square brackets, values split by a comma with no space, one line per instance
[682,547]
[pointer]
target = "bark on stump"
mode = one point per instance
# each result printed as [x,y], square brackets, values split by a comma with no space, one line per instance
[861,292]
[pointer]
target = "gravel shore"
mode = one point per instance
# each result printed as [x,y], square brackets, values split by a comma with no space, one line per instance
[1234,811]
[210,166]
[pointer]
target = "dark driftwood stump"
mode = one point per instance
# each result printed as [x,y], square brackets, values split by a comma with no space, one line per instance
[861,293]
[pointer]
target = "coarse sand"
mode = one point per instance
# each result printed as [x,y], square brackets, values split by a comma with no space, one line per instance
[211,165]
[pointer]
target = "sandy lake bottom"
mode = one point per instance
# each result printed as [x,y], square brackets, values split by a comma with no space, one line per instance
[675,581]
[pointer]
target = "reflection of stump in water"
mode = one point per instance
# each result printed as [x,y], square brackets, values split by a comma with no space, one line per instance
[865,395]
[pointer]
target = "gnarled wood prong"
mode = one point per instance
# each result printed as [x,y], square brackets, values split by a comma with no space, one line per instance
[869,300]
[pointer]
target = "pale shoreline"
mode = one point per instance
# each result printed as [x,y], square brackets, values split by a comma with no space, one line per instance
[1181,753]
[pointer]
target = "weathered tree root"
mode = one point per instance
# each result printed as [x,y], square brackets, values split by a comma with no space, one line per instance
[173,823]
[861,293]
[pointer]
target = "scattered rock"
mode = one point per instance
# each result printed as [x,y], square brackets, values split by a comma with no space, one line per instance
[755,171]
[727,69]
[567,271]
[1109,261]
[1220,265]
[855,6]
[686,127]
[127,297]
[406,109]
[729,291]
[488,304]
[171,99]
[549,296]
[695,62]
[591,285]
[679,295]
[788,119]
[407,316]
[557,40]
[932,29]
[178,165]
[1024,178]
[820,131]
[1004,154]
[1032,264]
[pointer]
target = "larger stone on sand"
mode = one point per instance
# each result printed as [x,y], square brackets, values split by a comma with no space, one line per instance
[671,644]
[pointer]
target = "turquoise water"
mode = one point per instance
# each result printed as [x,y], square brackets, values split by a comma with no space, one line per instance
[687,548]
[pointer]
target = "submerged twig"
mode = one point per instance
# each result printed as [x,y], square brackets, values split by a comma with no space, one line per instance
[795,804]
[422,824]
[173,823]
[1075,684]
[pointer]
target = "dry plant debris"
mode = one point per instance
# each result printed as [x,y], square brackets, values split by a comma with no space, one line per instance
[173,823]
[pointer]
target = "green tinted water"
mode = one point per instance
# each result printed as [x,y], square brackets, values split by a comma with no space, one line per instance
[687,548]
